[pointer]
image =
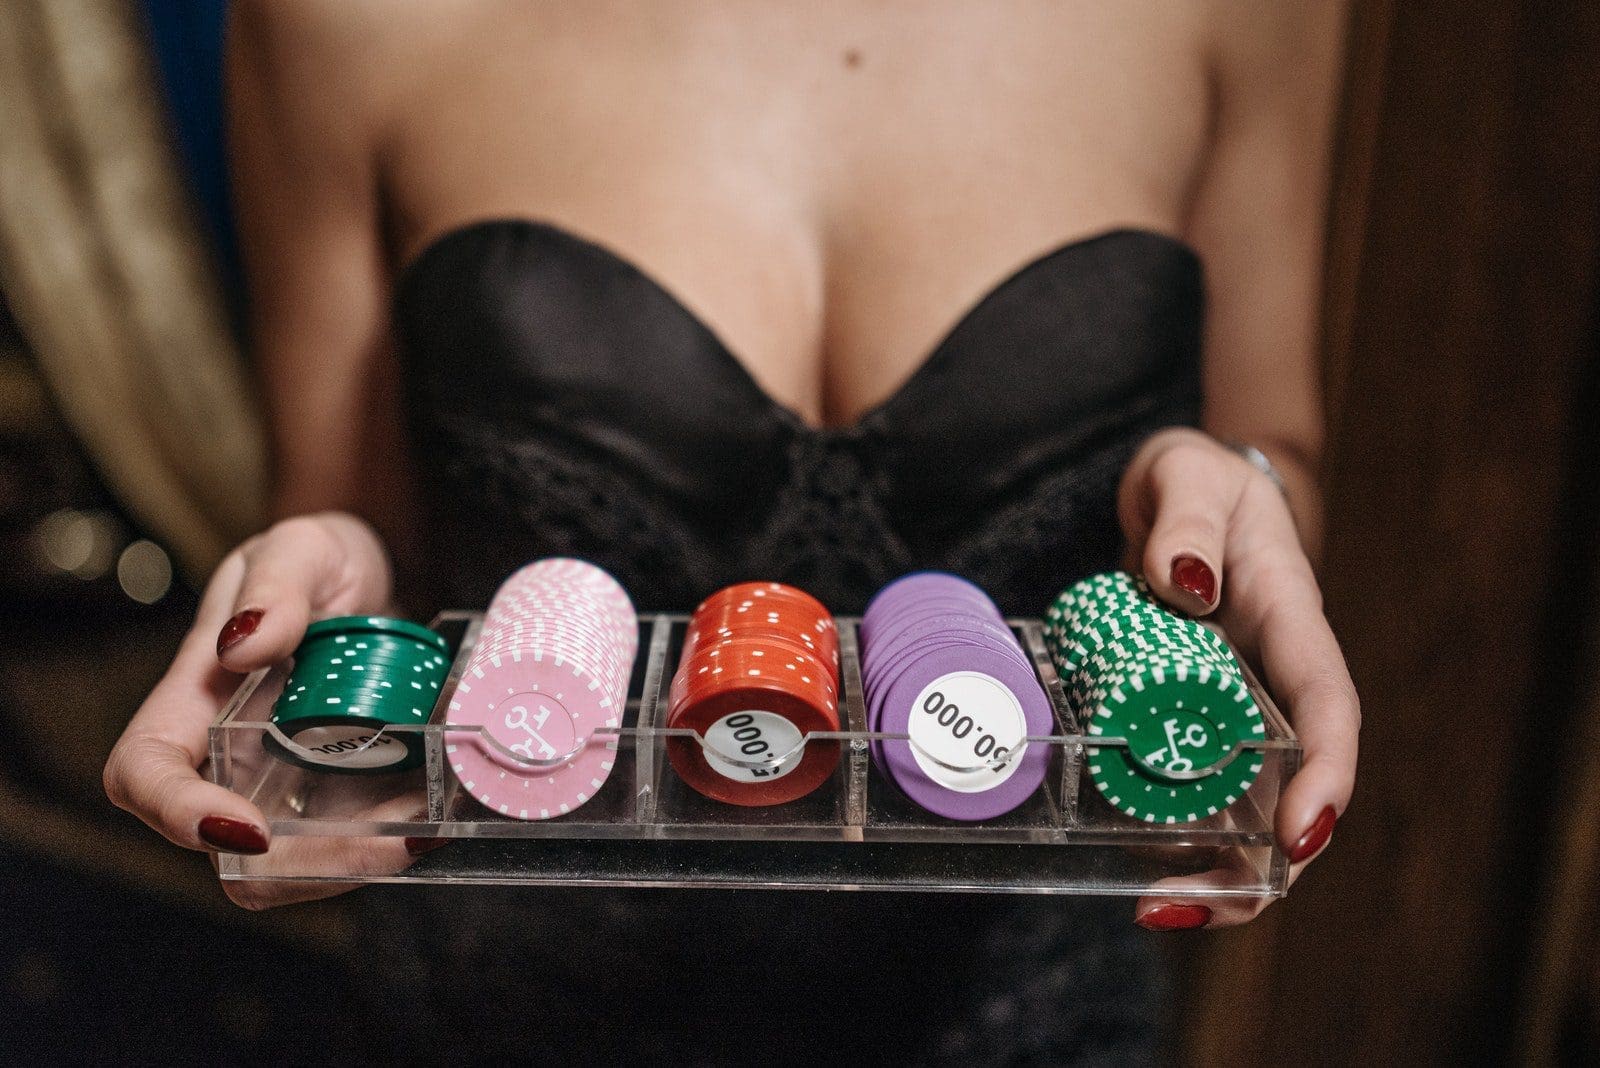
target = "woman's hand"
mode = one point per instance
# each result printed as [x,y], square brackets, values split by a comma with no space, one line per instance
[254,613]
[1214,537]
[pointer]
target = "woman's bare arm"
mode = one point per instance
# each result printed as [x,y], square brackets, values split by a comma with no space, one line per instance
[1212,535]
[303,131]
[1257,220]
[301,165]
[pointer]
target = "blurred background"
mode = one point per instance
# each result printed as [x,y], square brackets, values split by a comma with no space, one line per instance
[1452,921]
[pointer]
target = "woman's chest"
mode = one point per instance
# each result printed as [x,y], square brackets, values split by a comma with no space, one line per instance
[827,186]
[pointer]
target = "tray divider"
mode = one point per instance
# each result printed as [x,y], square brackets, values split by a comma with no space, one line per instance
[647,772]
[854,706]
[439,785]
[1066,726]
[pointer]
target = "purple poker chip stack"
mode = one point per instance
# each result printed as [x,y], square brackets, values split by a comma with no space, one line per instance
[939,663]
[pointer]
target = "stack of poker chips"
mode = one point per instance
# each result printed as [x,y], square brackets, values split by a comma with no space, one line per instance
[547,683]
[939,664]
[1168,685]
[758,674]
[353,676]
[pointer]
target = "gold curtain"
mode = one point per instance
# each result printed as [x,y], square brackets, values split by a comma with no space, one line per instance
[109,278]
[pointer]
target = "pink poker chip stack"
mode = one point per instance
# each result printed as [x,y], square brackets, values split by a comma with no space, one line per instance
[551,668]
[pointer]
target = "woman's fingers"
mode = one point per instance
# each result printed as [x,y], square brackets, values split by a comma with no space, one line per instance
[152,770]
[257,604]
[1196,516]
[156,780]
[1203,899]
[1276,615]
[298,568]
[1164,910]
[1177,504]
[1304,666]
[309,857]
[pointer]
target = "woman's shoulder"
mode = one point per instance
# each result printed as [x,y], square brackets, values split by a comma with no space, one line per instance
[1247,34]
[345,44]
[295,25]
[319,69]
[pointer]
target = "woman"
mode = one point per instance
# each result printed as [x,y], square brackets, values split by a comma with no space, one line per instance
[816,292]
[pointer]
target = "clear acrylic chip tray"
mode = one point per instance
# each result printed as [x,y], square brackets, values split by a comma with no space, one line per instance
[646,827]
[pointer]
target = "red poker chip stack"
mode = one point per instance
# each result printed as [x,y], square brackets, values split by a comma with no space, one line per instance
[759,672]
[550,669]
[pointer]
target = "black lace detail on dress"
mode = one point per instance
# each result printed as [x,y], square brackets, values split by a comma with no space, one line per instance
[512,500]
[826,528]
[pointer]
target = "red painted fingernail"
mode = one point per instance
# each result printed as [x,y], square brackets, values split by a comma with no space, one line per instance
[418,846]
[1316,836]
[1193,574]
[238,629]
[1175,918]
[232,836]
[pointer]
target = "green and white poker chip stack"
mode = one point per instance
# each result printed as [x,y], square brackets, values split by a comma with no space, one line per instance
[1170,686]
[353,676]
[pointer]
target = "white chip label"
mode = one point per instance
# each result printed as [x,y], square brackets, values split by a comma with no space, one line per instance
[966,719]
[751,735]
[341,746]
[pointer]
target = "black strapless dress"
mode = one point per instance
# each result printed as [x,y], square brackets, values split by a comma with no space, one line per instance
[562,402]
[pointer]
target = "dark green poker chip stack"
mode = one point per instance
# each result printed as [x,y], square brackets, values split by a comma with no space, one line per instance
[353,676]
[1167,684]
